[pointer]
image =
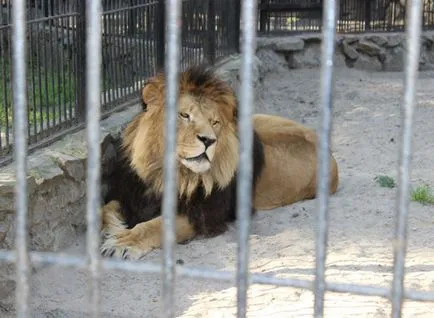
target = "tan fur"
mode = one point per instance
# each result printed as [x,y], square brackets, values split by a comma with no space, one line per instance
[290,172]
[142,238]
[144,137]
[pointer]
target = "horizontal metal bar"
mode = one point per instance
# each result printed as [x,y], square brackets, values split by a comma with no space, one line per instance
[129,8]
[61,259]
[44,19]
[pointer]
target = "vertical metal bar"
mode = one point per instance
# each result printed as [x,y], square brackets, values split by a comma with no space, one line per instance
[93,105]
[328,44]
[211,33]
[159,19]
[81,60]
[113,63]
[368,16]
[20,154]
[169,205]
[244,183]
[411,69]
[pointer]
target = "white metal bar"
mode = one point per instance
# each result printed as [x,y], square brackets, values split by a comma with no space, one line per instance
[93,114]
[66,260]
[19,68]
[169,204]
[245,176]
[328,45]
[411,69]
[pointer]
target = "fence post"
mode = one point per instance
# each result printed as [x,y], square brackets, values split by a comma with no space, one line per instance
[160,31]
[211,33]
[367,15]
[237,25]
[80,65]
[132,21]
[263,14]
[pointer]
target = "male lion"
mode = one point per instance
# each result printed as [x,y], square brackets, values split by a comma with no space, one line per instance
[284,166]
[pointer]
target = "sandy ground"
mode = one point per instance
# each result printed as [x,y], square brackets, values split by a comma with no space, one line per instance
[366,136]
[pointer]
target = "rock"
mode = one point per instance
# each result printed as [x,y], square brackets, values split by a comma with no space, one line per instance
[377,39]
[289,44]
[271,60]
[310,57]
[394,61]
[428,39]
[7,183]
[426,67]
[72,166]
[339,60]
[394,40]
[349,51]
[281,44]
[382,56]
[367,63]
[228,69]
[311,38]
[351,40]
[368,48]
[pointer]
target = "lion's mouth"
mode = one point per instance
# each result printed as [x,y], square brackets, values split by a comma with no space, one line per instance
[201,157]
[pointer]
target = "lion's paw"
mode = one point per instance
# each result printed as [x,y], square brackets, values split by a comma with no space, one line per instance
[116,246]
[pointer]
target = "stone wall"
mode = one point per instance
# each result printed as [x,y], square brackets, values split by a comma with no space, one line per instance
[57,188]
[370,52]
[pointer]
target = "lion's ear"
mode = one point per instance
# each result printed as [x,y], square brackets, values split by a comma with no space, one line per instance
[151,94]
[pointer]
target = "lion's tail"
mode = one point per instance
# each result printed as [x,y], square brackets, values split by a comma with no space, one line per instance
[112,219]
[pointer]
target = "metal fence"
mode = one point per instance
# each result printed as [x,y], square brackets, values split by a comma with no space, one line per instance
[241,278]
[132,49]
[277,16]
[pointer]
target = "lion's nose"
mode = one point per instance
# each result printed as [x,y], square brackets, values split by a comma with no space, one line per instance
[207,141]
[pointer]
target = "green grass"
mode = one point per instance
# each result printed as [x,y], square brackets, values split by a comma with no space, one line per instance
[52,93]
[385,181]
[422,194]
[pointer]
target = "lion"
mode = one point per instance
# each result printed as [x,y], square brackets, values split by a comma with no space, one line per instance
[207,159]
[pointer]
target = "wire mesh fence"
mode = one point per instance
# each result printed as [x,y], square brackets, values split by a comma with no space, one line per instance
[241,278]
[132,49]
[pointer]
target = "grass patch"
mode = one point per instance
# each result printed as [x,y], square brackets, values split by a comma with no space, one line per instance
[422,194]
[385,181]
[45,98]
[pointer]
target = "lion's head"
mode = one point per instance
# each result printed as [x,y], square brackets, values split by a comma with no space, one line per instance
[207,143]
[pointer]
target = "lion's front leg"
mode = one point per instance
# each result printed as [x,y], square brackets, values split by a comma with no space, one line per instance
[144,237]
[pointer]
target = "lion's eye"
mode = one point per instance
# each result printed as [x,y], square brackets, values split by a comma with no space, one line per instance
[215,122]
[184,115]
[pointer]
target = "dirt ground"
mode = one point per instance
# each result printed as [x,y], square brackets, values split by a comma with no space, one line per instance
[366,134]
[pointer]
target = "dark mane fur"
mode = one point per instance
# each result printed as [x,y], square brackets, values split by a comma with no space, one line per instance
[208,214]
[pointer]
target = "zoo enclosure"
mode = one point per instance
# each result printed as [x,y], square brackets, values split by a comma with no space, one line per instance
[242,278]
